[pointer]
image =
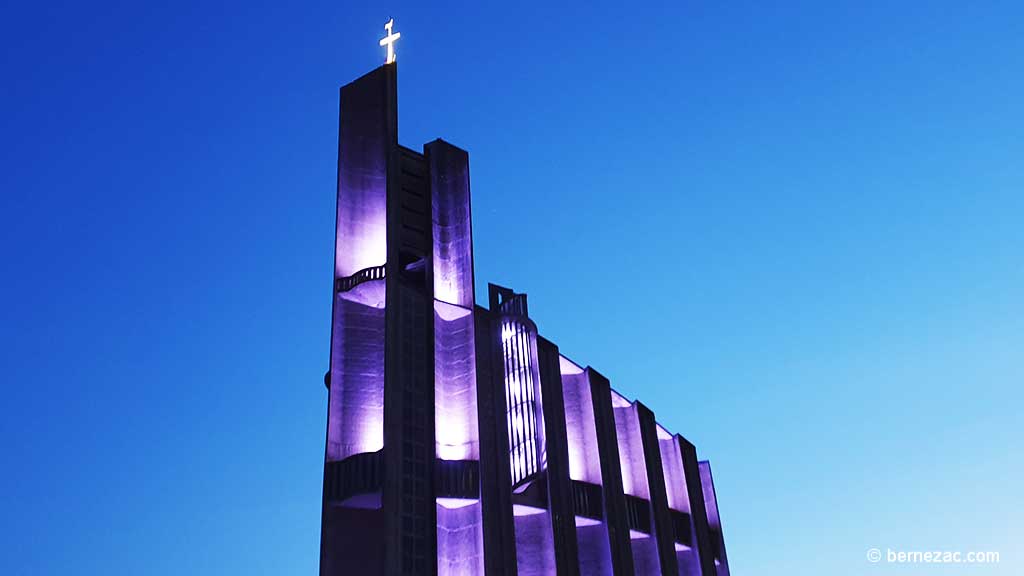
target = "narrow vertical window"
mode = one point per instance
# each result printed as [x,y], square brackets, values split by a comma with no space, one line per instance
[521,400]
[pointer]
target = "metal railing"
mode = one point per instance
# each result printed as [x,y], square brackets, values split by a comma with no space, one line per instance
[515,306]
[365,275]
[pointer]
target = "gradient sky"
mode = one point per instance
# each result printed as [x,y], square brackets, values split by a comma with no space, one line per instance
[795,230]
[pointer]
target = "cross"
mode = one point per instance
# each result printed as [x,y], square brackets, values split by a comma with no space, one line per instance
[389,41]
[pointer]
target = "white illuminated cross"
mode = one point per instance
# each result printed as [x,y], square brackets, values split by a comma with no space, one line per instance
[389,41]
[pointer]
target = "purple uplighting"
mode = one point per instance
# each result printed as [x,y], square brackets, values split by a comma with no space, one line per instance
[645,554]
[634,479]
[455,383]
[456,432]
[678,497]
[584,464]
[454,503]
[356,417]
[708,484]
[675,480]
[453,231]
[361,237]
[523,510]
[581,431]
[460,547]
[631,448]
[714,522]
[535,548]
[593,550]
[356,405]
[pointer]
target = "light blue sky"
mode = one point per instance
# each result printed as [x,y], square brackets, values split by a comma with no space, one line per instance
[792,229]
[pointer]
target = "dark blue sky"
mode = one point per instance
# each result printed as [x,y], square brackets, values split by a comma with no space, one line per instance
[794,230]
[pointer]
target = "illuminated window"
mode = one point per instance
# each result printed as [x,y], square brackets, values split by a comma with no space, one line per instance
[521,400]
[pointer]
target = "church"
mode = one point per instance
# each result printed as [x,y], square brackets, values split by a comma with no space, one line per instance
[460,440]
